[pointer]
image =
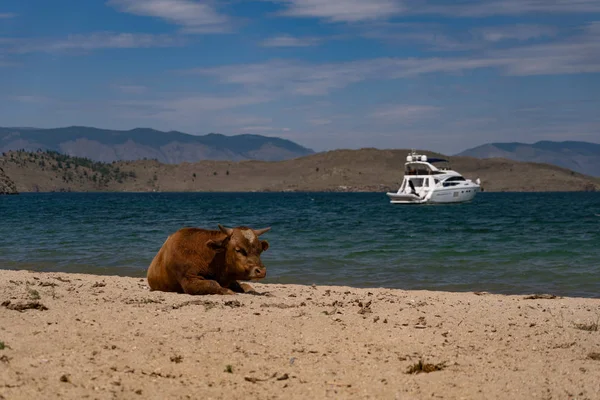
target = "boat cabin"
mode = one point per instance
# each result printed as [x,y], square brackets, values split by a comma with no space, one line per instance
[421,165]
[419,182]
[426,182]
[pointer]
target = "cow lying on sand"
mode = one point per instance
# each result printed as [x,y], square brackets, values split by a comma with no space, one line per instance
[200,261]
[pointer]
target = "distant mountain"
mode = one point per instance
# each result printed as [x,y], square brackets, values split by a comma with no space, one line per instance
[167,147]
[582,157]
[369,170]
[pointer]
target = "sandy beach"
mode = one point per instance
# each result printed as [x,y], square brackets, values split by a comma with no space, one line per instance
[74,336]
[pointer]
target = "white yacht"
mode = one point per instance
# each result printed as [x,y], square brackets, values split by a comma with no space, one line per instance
[425,183]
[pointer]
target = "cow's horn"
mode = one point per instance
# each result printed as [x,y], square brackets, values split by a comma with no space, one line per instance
[261,231]
[227,231]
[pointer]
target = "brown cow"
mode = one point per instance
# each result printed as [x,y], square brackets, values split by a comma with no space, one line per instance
[200,261]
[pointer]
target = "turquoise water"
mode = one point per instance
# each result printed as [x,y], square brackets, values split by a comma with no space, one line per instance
[500,242]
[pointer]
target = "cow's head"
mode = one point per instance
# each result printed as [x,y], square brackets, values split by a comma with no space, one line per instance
[242,252]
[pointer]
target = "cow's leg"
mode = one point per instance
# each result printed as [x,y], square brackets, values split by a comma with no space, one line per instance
[197,285]
[241,287]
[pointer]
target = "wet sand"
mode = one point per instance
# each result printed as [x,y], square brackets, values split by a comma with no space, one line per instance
[75,336]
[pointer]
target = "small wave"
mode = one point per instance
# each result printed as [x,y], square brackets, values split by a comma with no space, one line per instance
[501,242]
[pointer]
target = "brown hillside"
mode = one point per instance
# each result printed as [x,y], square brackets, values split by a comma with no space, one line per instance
[7,186]
[339,170]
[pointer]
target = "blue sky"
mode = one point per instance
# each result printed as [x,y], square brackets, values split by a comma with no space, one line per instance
[429,74]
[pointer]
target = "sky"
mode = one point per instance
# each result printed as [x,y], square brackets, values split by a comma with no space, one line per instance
[428,74]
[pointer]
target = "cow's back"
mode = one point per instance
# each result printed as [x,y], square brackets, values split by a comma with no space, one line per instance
[182,251]
[158,274]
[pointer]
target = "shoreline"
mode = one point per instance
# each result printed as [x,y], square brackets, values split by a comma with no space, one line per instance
[282,191]
[369,170]
[141,274]
[70,335]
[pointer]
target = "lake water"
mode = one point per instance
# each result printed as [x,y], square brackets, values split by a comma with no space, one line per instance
[500,242]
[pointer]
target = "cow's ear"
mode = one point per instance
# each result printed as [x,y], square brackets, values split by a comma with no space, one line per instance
[216,245]
[265,245]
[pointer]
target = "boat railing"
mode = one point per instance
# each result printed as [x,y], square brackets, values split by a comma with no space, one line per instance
[416,172]
[420,172]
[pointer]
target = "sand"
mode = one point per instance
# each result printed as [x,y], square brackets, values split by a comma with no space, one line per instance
[105,337]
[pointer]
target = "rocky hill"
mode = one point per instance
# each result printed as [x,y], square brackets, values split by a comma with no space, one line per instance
[7,186]
[340,170]
[143,143]
[582,157]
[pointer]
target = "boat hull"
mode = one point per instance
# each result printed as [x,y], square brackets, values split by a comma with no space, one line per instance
[458,194]
[454,195]
[403,198]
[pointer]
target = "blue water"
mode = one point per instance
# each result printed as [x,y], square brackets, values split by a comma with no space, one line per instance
[500,242]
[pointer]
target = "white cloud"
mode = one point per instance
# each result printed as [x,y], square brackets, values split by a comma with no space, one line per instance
[210,103]
[431,37]
[319,79]
[130,89]
[592,30]
[189,106]
[289,41]
[574,55]
[240,120]
[341,10]
[369,10]
[473,122]
[310,106]
[192,113]
[32,99]
[577,54]
[521,32]
[440,37]
[192,16]
[260,128]
[95,41]
[188,113]
[7,15]
[479,8]
[405,112]
[7,63]
[363,10]
[320,121]
[290,76]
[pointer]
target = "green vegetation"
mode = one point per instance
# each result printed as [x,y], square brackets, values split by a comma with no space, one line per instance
[33,294]
[70,168]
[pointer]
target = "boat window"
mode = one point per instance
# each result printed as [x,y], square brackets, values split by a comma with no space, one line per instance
[418,182]
[417,169]
[455,178]
[426,182]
